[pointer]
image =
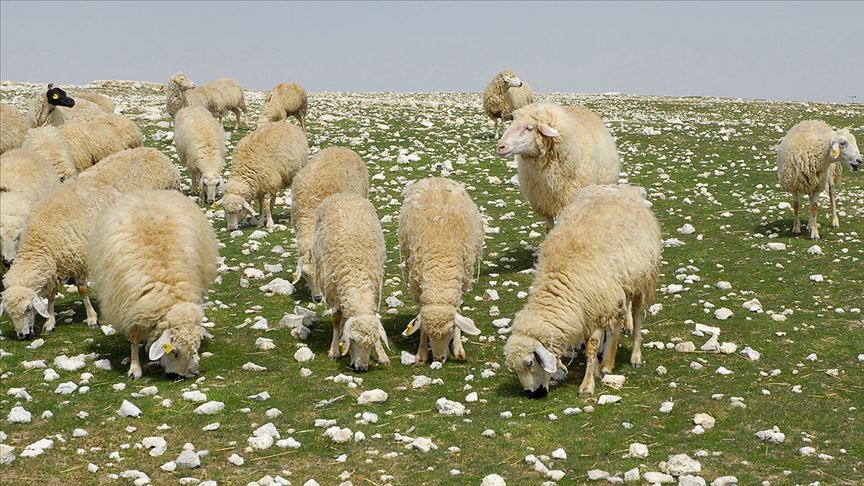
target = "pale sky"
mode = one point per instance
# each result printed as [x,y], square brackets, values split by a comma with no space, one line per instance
[778,50]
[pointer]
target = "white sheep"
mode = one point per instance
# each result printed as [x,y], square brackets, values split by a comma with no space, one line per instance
[559,150]
[349,256]
[517,98]
[495,102]
[157,299]
[330,171]
[135,169]
[286,99]
[25,179]
[104,102]
[48,142]
[54,107]
[600,261]
[441,240]
[54,248]
[93,140]
[13,126]
[219,96]
[265,162]
[200,142]
[808,163]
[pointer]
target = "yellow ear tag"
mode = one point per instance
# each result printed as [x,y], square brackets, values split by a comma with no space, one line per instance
[410,326]
[835,152]
[167,347]
[342,347]
[55,96]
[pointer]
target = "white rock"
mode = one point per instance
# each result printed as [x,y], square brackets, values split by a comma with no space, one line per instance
[753,305]
[723,313]
[685,347]
[260,397]
[615,381]
[407,358]
[728,348]
[303,355]
[725,481]
[815,250]
[490,294]
[278,286]
[250,366]
[712,330]
[18,415]
[471,397]
[706,421]
[372,396]
[772,435]
[194,396]
[419,381]
[777,246]
[638,450]
[69,363]
[751,354]
[723,371]
[680,464]
[157,445]
[449,407]
[607,399]
[236,460]
[690,480]
[210,408]
[211,427]
[632,475]
[128,409]
[666,407]
[657,478]
[817,278]
[559,454]
[289,443]
[723,285]
[188,459]
[493,480]
[687,229]
[597,474]
[807,451]
[264,344]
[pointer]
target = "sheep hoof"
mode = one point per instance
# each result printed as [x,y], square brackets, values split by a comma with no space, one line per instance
[460,355]
[421,359]
[835,223]
[92,323]
[134,374]
[384,361]
[586,393]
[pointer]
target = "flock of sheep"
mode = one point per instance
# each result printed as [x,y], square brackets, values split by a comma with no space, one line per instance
[81,198]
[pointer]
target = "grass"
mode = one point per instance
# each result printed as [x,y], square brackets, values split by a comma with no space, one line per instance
[726,189]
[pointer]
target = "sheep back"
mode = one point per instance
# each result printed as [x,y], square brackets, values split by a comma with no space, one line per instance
[134,170]
[93,140]
[13,126]
[200,140]
[266,160]
[53,146]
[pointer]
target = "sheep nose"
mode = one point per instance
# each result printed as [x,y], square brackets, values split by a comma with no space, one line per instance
[538,393]
[24,335]
[318,298]
[359,368]
[440,359]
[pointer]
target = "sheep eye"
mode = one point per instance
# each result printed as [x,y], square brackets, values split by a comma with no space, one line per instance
[842,143]
[29,308]
[529,128]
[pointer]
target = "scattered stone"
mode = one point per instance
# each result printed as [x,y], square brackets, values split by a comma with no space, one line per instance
[372,396]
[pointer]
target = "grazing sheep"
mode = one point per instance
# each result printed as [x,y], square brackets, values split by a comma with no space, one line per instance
[441,239]
[219,96]
[54,107]
[200,142]
[25,179]
[52,145]
[559,150]
[601,261]
[286,99]
[265,162]
[135,170]
[53,248]
[349,256]
[807,163]
[152,258]
[105,103]
[13,126]
[330,171]
[495,101]
[93,140]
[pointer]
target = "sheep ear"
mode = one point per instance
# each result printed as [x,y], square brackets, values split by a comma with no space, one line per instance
[345,342]
[220,188]
[466,325]
[383,334]
[1,306]
[249,208]
[161,346]
[835,149]
[548,131]
[297,273]
[413,327]
[40,305]
[546,359]
[217,203]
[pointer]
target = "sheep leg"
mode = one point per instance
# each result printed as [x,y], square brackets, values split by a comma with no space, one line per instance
[337,336]
[814,216]
[383,359]
[550,223]
[302,121]
[193,175]
[796,205]
[134,365]
[496,127]
[92,320]
[586,389]
[636,355]
[835,221]
[610,349]
[458,350]
[423,349]
[270,222]
[51,321]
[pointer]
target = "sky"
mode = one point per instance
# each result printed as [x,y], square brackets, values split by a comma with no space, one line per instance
[809,51]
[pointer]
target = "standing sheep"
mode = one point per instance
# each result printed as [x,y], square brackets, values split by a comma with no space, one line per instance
[495,102]
[603,258]
[13,126]
[265,162]
[286,99]
[54,107]
[54,248]
[559,150]
[153,257]
[807,163]
[349,256]
[93,140]
[517,98]
[441,239]
[219,96]
[200,142]
[135,170]
[52,145]
[25,179]
[330,171]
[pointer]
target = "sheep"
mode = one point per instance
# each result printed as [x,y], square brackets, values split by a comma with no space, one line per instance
[48,142]
[601,261]
[441,239]
[13,126]
[495,101]
[153,257]
[265,162]
[105,103]
[93,140]
[53,248]
[25,179]
[54,107]
[135,170]
[219,96]
[330,171]
[349,255]
[517,98]
[200,142]
[286,99]
[558,150]
[807,163]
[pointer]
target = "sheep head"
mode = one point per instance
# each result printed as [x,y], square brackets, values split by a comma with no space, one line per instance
[530,133]
[533,364]
[359,335]
[176,348]
[307,270]
[211,186]
[443,324]
[182,81]
[508,79]
[844,148]
[237,208]
[22,304]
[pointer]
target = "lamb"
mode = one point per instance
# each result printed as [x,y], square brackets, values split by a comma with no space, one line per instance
[93,140]
[559,150]
[330,171]
[219,96]
[25,179]
[48,142]
[53,248]
[153,257]
[349,256]
[600,261]
[441,239]
[200,142]
[808,163]
[495,102]
[265,162]
[54,107]
[135,170]
[13,126]
[286,99]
